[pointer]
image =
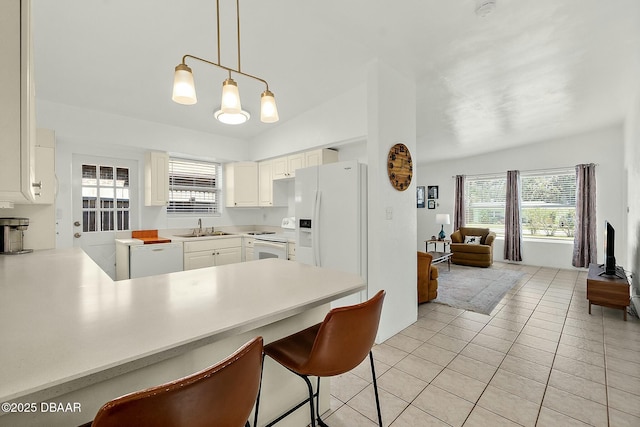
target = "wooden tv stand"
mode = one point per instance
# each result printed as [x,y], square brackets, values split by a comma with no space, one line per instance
[607,291]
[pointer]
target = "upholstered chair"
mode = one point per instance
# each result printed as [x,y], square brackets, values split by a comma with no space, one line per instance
[472,246]
[427,278]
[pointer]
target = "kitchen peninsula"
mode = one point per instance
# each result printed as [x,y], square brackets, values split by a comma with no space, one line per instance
[72,335]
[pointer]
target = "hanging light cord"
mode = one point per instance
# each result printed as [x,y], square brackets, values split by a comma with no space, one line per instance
[217,64]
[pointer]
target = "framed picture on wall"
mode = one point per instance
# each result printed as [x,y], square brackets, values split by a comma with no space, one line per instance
[420,196]
[432,192]
[431,204]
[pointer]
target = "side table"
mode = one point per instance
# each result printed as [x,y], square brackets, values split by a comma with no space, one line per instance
[445,243]
[607,291]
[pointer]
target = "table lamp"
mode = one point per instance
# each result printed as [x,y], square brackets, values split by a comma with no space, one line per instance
[442,219]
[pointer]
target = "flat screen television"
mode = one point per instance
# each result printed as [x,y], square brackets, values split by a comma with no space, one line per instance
[609,247]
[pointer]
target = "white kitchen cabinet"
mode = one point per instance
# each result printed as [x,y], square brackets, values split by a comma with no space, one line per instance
[285,167]
[17,104]
[320,157]
[247,246]
[212,252]
[265,183]
[269,193]
[45,169]
[291,251]
[241,184]
[156,178]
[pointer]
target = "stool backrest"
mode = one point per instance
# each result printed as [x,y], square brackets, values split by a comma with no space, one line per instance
[345,337]
[222,395]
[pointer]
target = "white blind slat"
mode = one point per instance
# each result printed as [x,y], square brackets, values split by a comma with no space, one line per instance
[194,186]
[548,202]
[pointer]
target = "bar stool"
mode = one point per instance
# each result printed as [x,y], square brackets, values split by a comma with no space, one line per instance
[221,395]
[335,346]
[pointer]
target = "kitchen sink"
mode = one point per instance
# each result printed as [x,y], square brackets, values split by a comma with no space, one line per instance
[208,234]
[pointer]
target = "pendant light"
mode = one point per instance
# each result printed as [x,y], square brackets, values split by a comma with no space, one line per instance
[184,90]
[230,111]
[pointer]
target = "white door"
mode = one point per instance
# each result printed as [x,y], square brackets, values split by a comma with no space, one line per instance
[105,200]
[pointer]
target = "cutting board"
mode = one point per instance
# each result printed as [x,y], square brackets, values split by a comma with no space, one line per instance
[149,237]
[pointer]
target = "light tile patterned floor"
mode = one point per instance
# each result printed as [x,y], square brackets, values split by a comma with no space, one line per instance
[539,359]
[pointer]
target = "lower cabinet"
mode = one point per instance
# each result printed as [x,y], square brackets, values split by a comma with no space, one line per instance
[247,245]
[291,251]
[210,253]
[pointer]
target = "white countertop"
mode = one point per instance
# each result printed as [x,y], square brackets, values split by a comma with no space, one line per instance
[66,324]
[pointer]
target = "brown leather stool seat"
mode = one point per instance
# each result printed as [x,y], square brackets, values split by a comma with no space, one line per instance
[335,346]
[222,395]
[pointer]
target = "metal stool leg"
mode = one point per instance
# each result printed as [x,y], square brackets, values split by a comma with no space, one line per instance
[299,405]
[375,388]
[255,415]
[313,418]
[320,421]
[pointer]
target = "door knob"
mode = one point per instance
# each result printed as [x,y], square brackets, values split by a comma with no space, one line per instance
[77,223]
[77,235]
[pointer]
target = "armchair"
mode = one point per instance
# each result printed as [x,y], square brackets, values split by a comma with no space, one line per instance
[427,278]
[478,255]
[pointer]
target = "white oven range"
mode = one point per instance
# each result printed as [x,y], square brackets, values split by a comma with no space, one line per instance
[275,245]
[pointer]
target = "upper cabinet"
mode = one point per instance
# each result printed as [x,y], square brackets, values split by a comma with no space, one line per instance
[241,184]
[320,157]
[285,167]
[17,104]
[250,184]
[156,179]
[265,183]
[45,173]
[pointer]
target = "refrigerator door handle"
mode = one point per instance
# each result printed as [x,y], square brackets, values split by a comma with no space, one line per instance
[316,229]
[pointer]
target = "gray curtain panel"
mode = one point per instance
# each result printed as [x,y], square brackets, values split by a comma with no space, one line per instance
[512,219]
[584,238]
[458,214]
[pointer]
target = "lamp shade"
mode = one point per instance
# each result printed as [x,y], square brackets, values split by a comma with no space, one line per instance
[443,219]
[184,90]
[268,109]
[230,103]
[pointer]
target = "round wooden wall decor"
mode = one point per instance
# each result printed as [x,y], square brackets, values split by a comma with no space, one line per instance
[399,167]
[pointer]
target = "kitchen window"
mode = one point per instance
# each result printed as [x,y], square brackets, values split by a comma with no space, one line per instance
[548,203]
[194,187]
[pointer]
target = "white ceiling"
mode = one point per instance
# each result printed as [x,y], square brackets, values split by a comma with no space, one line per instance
[529,71]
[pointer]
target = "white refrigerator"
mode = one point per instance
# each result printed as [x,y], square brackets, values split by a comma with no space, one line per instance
[331,215]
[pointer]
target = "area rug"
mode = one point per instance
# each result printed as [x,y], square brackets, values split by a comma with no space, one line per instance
[475,288]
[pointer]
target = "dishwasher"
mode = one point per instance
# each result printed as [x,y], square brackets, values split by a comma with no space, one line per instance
[160,258]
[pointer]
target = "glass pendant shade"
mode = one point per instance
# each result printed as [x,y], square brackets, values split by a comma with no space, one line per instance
[184,89]
[230,103]
[232,118]
[268,109]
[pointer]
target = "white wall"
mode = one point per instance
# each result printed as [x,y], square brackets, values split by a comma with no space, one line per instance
[604,147]
[96,128]
[391,213]
[632,168]
[340,119]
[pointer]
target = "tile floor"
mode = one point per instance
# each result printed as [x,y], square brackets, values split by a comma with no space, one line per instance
[539,359]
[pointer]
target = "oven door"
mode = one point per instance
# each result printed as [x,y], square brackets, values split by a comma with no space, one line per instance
[263,249]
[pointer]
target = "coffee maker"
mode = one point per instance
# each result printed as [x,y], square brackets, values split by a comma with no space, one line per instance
[12,236]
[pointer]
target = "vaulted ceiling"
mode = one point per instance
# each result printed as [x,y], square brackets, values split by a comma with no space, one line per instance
[528,71]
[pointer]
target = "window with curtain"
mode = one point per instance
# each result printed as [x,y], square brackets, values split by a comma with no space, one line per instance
[194,186]
[485,201]
[548,203]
